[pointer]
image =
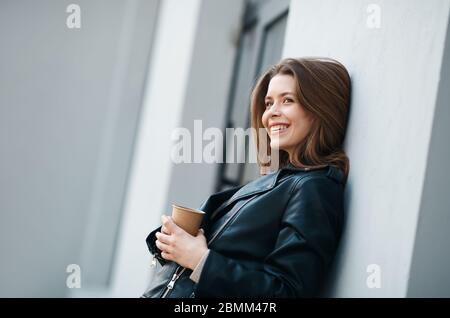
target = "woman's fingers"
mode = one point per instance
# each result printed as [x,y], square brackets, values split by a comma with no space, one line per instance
[164,228]
[163,238]
[167,256]
[163,247]
[168,226]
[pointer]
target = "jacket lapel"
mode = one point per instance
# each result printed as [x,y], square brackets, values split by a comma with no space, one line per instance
[221,200]
[214,200]
[257,186]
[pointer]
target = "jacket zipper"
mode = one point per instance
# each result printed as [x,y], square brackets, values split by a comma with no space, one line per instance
[177,275]
[171,283]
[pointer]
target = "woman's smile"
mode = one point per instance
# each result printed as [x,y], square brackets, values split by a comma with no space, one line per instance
[278,130]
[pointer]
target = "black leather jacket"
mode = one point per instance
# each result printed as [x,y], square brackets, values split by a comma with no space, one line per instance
[274,237]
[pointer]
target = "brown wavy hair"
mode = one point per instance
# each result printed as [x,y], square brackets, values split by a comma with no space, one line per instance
[323,89]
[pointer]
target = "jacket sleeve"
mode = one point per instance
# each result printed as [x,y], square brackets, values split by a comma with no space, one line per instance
[307,240]
[151,245]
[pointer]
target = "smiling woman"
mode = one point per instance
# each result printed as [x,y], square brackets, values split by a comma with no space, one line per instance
[277,235]
[304,104]
[286,121]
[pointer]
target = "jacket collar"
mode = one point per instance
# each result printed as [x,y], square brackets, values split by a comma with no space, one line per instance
[267,182]
[331,171]
[261,185]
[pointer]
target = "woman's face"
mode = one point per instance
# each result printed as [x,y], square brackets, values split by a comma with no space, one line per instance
[284,118]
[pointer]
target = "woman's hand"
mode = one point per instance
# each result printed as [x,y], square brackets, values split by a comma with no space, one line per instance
[179,246]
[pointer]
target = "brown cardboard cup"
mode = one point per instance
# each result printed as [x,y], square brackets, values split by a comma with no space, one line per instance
[188,219]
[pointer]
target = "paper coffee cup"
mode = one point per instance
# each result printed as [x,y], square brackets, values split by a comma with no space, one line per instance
[186,218]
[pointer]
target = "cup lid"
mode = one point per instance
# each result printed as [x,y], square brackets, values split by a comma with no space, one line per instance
[188,209]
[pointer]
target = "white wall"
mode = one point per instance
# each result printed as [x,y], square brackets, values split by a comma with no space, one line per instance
[207,95]
[150,174]
[189,78]
[395,71]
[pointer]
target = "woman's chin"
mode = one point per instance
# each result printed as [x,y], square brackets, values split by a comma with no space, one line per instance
[276,144]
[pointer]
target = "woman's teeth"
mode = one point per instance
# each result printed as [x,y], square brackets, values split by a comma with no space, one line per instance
[278,128]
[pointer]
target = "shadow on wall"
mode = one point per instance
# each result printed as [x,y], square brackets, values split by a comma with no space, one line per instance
[328,289]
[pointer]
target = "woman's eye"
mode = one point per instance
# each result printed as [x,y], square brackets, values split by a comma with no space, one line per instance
[268,104]
[288,100]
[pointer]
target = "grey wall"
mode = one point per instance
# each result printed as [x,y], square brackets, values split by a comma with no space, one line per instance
[168,74]
[207,95]
[69,102]
[189,73]
[429,275]
[395,71]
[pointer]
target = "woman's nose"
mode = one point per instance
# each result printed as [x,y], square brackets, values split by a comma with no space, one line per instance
[274,110]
